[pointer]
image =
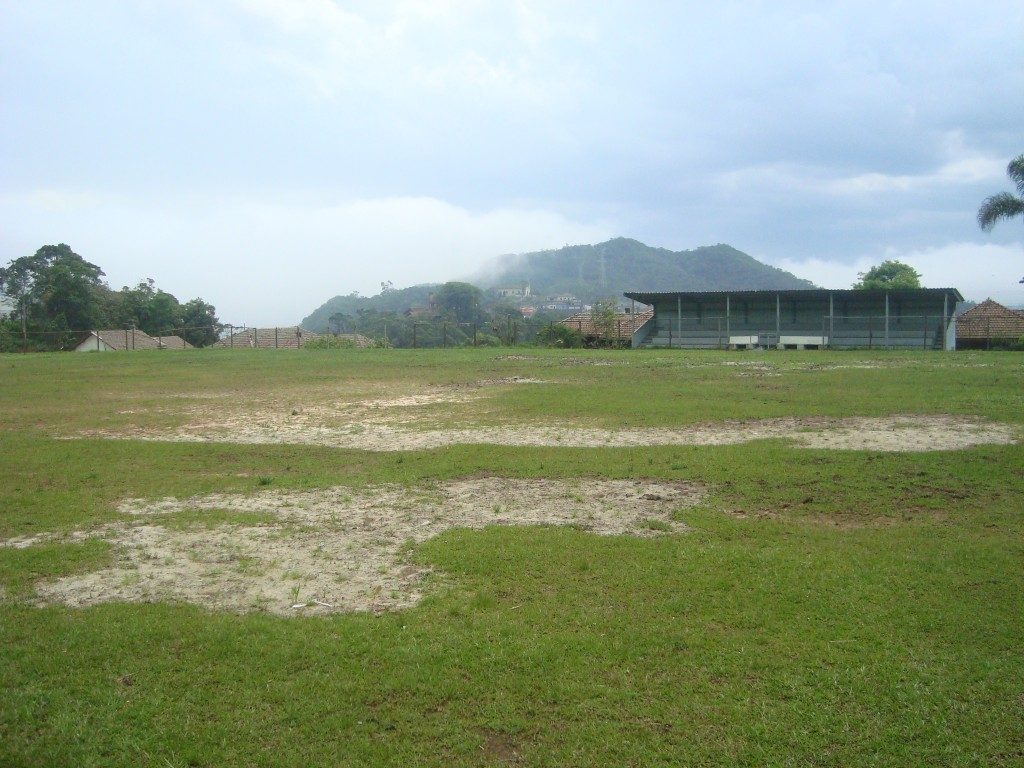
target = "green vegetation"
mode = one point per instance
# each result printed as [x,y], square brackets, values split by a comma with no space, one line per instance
[825,608]
[58,295]
[1005,205]
[588,272]
[889,275]
[621,264]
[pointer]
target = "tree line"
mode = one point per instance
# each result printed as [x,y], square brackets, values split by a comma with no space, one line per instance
[57,294]
[460,315]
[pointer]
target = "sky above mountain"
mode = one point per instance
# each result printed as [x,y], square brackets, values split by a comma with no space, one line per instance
[268,154]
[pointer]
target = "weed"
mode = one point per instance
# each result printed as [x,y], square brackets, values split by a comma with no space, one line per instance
[656,525]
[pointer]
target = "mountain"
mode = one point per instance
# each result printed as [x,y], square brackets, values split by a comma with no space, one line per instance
[392,300]
[590,272]
[622,264]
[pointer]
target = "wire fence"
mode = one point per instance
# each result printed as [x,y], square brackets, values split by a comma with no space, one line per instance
[409,333]
[29,339]
[702,332]
[813,331]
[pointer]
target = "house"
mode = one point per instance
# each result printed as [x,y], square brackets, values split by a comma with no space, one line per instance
[563,303]
[622,327]
[290,337]
[173,342]
[919,318]
[520,292]
[121,339]
[117,340]
[429,311]
[989,324]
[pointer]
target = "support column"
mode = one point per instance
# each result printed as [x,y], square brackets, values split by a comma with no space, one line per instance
[728,327]
[778,321]
[887,320]
[945,322]
[831,321]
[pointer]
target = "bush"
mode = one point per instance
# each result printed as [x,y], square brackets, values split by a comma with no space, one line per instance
[558,335]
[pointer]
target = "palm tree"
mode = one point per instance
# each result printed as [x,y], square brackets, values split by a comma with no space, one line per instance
[1004,205]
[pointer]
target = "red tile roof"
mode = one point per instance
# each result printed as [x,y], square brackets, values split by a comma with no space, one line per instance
[990,320]
[625,324]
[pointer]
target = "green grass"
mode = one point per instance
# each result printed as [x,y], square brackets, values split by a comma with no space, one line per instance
[825,608]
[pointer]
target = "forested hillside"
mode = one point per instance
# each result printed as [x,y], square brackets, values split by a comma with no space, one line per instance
[622,264]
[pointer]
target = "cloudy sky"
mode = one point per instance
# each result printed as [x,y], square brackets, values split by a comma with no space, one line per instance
[269,154]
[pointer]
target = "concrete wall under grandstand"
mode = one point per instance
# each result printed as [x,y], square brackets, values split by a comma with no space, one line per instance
[920,318]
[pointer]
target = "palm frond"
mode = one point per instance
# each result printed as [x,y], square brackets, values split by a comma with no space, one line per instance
[1015,170]
[999,207]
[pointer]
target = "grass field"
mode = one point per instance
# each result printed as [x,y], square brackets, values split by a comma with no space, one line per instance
[768,603]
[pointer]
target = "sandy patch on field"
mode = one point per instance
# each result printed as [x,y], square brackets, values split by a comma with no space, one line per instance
[887,433]
[339,549]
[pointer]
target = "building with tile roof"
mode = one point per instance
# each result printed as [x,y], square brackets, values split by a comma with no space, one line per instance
[622,329]
[989,324]
[290,337]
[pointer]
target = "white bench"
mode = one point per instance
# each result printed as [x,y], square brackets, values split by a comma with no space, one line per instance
[801,342]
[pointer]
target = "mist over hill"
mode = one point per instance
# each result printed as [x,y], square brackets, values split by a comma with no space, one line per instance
[622,264]
[589,272]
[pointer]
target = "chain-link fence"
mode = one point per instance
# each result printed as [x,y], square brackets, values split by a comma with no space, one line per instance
[814,332]
[28,339]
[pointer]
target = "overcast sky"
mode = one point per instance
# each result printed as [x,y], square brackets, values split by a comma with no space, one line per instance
[269,154]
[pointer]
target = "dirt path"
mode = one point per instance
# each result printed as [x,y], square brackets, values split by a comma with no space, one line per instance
[327,551]
[887,433]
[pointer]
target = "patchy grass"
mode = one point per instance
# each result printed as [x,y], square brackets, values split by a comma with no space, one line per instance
[825,607]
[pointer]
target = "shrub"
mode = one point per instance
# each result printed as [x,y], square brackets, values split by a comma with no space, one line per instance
[558,335]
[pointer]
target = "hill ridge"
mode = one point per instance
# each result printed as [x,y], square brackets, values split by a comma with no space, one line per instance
[588,272]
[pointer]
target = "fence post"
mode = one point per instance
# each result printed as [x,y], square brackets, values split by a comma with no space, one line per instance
[275,337]
[444,335]
[414,335]
[924,341]
[515,332]
[887,320]
[231,336]
[670,333]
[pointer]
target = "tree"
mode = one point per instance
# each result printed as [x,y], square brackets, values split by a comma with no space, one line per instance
[889,275]
[1004,205]
[55,289]
[604,314]
[148,308]
[199,324]
[461,299]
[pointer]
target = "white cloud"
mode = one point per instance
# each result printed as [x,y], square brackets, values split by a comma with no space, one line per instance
[959,166]
[272,262]
[978,270]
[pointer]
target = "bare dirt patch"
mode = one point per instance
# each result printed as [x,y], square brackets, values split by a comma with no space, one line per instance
[339,549]
[886,433]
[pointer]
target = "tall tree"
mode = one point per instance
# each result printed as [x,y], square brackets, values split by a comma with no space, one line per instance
[461,299]
[56,290]
[604,313]
[889,275]
[198,322]
[1004,205]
